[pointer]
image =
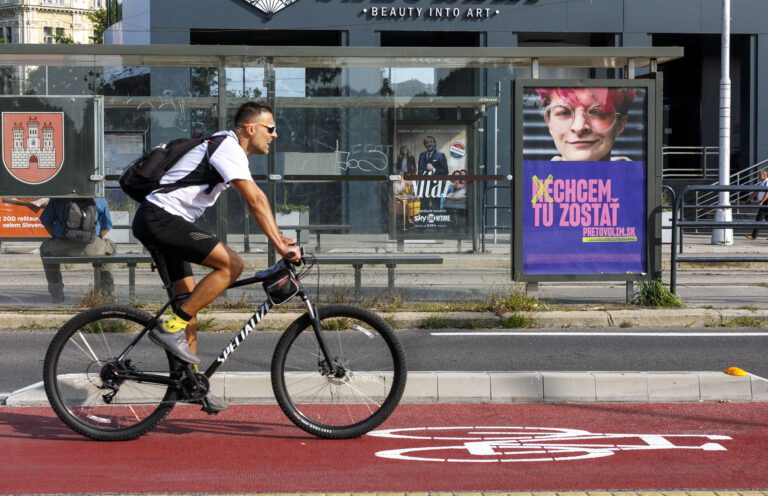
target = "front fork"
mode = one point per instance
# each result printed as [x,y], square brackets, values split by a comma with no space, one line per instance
[336,369]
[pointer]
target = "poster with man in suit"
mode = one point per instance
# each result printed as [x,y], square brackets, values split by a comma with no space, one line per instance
[433,201]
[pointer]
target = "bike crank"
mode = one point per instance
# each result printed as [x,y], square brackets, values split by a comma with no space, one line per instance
[193,387]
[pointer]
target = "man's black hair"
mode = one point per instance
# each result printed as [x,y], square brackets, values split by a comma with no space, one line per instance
[249,111]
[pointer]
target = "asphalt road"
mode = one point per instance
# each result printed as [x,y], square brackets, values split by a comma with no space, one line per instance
[636,349]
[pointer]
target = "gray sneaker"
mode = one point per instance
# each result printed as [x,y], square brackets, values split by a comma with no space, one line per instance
[174,342]
[215,404]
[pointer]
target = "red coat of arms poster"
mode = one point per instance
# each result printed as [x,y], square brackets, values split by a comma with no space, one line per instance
[33,145]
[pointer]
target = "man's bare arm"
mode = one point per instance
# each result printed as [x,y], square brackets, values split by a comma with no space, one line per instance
[258,206]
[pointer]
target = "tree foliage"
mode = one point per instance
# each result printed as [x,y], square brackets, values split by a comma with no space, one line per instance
[99,19]
[63,39]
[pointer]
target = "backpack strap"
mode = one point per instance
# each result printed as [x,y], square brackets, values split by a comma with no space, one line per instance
[213,145]
[209,175]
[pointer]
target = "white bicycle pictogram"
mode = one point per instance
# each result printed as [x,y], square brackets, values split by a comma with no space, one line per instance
[494,444]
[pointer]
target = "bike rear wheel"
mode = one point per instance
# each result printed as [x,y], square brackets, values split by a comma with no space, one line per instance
[365,392]
[80,370]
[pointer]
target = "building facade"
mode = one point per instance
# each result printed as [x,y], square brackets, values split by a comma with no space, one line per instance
[41,21]
[691,85]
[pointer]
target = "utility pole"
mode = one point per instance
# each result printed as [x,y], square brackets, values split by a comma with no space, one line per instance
[725,236]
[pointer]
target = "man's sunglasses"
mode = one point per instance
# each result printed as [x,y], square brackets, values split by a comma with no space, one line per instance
[270,128]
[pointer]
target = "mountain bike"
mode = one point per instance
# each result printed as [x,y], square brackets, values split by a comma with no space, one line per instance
[337,372]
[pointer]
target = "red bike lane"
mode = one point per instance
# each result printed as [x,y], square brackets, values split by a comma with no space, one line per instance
[457,448]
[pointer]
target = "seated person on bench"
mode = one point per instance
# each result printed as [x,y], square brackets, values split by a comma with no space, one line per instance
[62,245]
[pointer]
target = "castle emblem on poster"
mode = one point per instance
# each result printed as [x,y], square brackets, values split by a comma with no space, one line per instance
[33,145]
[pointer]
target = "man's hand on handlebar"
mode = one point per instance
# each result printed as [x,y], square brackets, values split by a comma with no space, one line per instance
[290,250]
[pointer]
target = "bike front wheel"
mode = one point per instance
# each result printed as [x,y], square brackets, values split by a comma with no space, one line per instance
[368,383]
[83,369]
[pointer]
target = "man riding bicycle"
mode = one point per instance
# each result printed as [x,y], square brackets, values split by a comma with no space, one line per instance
[164,223]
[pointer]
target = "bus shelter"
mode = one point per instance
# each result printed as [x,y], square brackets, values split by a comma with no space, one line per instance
[388,146]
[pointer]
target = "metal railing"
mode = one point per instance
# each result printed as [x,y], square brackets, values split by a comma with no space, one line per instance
[704,168]
[679,208]
[739,178]
[495,226]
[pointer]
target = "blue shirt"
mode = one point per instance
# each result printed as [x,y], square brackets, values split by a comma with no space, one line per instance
[54,214]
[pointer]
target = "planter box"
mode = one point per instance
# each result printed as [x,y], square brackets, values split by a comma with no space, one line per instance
[294,218]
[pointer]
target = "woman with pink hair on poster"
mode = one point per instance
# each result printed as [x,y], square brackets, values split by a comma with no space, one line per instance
[585,122]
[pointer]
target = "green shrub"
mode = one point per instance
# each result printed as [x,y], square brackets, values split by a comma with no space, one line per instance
[286,208]
[655,294]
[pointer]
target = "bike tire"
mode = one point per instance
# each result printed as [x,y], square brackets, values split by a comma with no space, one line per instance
[82,350]
[339,407]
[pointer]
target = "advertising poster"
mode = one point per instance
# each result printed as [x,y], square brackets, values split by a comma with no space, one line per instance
[20,218]
[433,200]
[120,149]
[584,180]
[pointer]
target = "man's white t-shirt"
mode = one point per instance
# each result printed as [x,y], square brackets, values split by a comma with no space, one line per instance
[761,194]
[189,202]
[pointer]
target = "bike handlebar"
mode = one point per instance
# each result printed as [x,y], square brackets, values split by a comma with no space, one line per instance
[292,254]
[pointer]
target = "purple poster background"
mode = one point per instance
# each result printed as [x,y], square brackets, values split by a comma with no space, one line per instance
[584,217]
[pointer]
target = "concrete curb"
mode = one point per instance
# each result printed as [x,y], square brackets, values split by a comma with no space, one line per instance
[683,317]
[507,387]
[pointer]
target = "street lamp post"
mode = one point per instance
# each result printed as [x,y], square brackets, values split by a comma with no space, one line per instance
[725,236]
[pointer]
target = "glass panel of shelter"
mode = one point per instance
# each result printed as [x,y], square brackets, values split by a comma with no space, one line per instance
[334,123]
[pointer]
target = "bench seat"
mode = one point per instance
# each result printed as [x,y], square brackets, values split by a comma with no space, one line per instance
[356,261]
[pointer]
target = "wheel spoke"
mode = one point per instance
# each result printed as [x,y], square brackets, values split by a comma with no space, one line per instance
[364,390]
[90,350]
[87,385]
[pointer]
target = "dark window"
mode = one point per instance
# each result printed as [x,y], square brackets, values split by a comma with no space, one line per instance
[276,37]
[691,97]
[430,39]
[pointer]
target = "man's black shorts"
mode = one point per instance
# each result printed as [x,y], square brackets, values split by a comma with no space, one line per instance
[178,240]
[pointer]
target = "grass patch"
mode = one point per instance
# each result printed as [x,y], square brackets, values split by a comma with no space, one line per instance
[625,324]
[748,307]
[336,294]
[338,324]
[232,304]
[93,298]
[743,322]
[515,301]
[472,324]
[434,321]
[206,324]
[112,325]
[516,321]
[655,294]
[390,319]
[388,301]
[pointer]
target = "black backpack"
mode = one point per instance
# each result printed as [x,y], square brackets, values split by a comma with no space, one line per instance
[143,175]
[79,222]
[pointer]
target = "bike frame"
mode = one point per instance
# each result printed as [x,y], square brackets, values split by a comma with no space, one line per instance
[238,338]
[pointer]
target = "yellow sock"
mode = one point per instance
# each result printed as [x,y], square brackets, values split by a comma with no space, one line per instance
[175,324]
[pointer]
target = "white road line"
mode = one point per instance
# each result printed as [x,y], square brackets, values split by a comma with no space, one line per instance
[604,333]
